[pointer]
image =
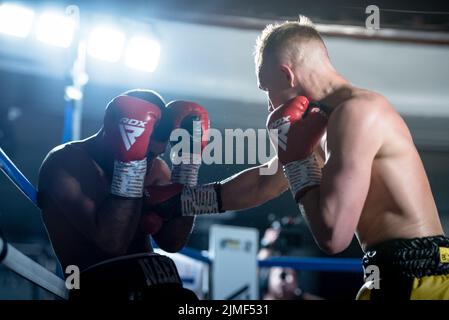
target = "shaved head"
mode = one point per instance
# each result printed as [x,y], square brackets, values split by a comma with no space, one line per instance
[292,43]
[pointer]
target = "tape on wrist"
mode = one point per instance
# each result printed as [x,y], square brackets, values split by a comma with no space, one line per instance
[186,172]
[128,178]
[302,174]
[197,200]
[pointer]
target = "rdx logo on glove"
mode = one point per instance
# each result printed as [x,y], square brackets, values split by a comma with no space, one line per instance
[283,126]
[133,122]
[130,129]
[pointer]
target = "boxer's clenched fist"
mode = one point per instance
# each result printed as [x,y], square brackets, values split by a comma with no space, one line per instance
[128,125]
[195,119]
[299,125]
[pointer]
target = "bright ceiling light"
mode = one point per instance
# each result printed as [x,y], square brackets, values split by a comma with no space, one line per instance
[142,53]
[55,29]
[15,20]
[106,43]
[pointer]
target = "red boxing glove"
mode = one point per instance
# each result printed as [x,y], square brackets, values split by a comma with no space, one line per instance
[128,125]
[168,201]
[300,126]
[182,114]
[151,223]
[195,119]
[161,135]
[153,216]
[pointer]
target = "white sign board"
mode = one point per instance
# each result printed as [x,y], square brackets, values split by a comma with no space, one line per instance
[234,270]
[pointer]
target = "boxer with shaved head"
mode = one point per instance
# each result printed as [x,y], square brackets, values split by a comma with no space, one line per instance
[350,162]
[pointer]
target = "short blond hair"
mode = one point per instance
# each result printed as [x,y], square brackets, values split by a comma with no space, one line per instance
[280,37]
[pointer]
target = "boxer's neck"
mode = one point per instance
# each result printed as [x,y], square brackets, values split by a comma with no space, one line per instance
[99,153]
[337,94]
[326,87]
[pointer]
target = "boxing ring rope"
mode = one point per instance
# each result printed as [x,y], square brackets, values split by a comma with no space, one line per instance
[194,254]
[13,258]
[31,270]
[19,180]
[298,263]
[34,272]
[330,30]
[314,264]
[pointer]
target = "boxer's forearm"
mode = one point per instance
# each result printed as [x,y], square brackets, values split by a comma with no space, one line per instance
[116,223]
[110,225]
[240,192]
[244,190]
[250,188]
[174,233]
[332,228]
[321,228]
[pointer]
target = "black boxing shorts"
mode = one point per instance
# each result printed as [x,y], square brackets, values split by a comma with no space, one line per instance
[147,276]
[407,269]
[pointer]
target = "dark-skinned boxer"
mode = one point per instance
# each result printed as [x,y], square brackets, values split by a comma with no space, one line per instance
[90,192]
[364,177]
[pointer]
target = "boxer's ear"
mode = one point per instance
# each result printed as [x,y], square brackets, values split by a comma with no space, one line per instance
[289,75]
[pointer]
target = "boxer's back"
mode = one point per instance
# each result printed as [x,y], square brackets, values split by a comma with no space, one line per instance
[399,203]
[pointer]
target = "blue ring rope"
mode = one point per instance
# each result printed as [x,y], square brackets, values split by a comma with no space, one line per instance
[17,177]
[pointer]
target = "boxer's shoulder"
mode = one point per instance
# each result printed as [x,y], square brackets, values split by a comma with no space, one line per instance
[159,173]
[363,102]
[64,156]
[374,109]
[160,163]
[67,162]
[356,120]
[361,109]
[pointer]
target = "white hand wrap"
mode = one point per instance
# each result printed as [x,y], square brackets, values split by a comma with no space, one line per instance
[200,200]
[186,172]
[302,174]
[128,178]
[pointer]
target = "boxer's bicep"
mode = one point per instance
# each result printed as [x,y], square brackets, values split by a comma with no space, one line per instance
[353,141]
[165,171]
[343,192]
[320,151]
[60,193]
[159,174]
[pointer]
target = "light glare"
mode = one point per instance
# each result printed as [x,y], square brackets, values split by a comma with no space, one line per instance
[15,20]
[55,29]
[142,53]
[106,43]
